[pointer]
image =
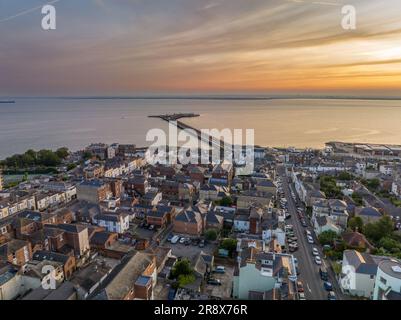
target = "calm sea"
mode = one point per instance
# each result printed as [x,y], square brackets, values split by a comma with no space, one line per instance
[52,123]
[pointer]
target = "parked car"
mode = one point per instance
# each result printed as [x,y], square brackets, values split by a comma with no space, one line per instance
[202,243]
[151,227]
[214,282]
[301,296]
[171,294]
[323,273]
[170,236]
[310,240]
[315,252]
[219,269]
[328,286]
[318,260]
[303,222]
[175,239]
[195,242]
[300,286]
[182,240]
[331,296]
[187,242]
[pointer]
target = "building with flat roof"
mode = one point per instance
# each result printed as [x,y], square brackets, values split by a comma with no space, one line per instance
[388,280]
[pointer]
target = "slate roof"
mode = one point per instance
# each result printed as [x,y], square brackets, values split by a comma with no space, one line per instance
[213,217]
[72,228]
[188,216]
[362,262]
[92,183]
[369,212]
[100,237]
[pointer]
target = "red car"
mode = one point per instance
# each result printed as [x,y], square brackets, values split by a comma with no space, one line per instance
[300,286]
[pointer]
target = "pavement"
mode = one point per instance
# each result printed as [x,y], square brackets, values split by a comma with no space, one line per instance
[309,270]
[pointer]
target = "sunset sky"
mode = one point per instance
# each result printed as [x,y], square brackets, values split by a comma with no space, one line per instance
[123,47]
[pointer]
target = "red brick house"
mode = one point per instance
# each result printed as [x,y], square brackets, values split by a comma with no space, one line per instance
[188,222]
[17,252]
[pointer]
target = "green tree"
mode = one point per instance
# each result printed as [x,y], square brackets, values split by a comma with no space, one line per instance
[211,234]
[377,230]
[87,155]
[28,159]
[389,244]
[182,267]
[373,184]
[71,166]
[327,237]
[48,158]
[226,202]
[329,187]
[25,177]
[357,198]
[345,176]
[185,279]
[62,153]
[355,224]
[230,245]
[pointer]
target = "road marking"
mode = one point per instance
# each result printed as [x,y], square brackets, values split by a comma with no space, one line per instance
[307,285]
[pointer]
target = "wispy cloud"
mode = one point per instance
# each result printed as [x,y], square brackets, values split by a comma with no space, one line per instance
[204,45]
[27,11]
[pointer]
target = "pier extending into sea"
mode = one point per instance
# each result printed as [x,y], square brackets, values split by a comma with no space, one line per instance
[173,118]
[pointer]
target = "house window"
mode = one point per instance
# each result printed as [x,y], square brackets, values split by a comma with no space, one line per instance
[372,276]
[382,280]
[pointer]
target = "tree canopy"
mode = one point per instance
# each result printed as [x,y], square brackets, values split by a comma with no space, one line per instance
[211,235]
[377,230]
[31,158]
[182,267]
[355,224]
[229,244]
[327,237]
[329,187]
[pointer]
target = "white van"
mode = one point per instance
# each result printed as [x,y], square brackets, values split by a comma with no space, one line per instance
[175,239]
